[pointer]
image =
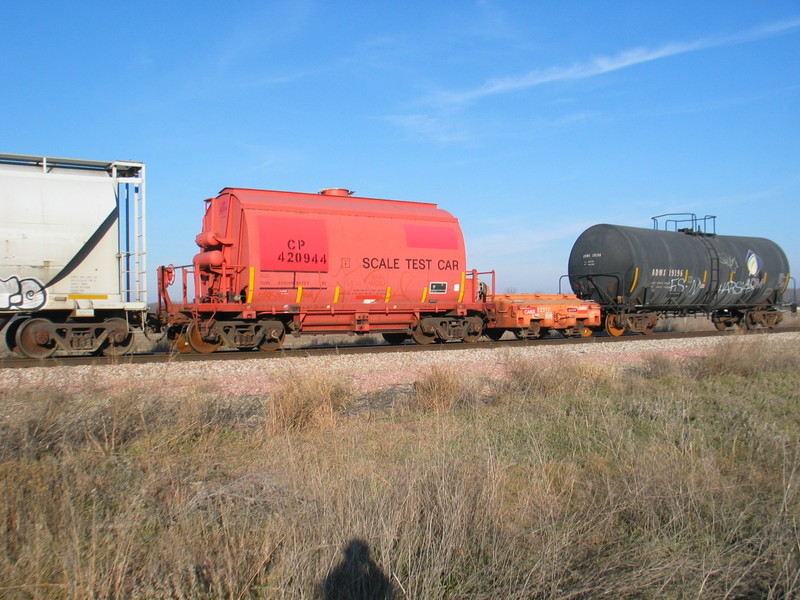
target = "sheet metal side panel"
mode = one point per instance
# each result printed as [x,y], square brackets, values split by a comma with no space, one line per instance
[45,219]
[368,258]
[675,269]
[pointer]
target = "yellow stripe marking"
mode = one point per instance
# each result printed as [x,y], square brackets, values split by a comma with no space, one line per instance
[424,294]
[463,282]
[250,289]
[686,276]
[785,285]
[336,294]
[765,278]
[705,276]
[388,294]
[299,293]
[88,296]
[731,278]
[635,280]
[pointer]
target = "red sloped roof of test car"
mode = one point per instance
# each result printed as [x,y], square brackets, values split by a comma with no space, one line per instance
[347,205]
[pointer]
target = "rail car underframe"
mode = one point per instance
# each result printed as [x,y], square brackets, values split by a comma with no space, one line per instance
[621,314]
[207,326]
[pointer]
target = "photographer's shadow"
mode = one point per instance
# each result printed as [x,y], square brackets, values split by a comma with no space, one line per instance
[357,577]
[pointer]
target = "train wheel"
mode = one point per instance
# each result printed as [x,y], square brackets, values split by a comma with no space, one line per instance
[177,340]
[612,327]
[119,341]
[395,339]
[421,337]
[274,339]
[748,323]
[471,338]
[33,339]
[494,334]
[721,325]
[196,341]
[11,335]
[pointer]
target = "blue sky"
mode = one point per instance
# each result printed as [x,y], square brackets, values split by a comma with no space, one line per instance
[530,121]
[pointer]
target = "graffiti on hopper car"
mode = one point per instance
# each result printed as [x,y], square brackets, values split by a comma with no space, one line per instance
[22,294]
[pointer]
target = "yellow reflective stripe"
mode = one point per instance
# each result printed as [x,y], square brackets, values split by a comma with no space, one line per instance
[785,285]
[336,294]
[765,278]
[250,286]
[686,276]
[731,278]
[388,294]
[463,282]
[299,293]
[88,296]
[705,276]
[635,280]
[424,294]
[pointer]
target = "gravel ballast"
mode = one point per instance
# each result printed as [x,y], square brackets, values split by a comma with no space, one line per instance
[364,373]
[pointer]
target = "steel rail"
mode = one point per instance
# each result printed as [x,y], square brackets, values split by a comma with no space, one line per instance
[13,362]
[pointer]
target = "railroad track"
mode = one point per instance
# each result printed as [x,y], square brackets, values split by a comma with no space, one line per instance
[13,362]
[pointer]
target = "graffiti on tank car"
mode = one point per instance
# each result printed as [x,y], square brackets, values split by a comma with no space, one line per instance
[681,286]
[730,262]
[754,263]
[22,294]
[739,287]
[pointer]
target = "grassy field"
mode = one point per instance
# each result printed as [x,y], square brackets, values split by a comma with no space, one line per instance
[566,479]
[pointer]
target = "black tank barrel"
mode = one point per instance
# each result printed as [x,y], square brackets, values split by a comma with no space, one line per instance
[676,271]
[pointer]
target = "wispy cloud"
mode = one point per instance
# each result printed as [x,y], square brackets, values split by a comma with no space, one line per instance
[606,64]
[507,239]
[438,128]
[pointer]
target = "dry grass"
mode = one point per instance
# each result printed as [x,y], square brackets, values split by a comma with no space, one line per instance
[442,389]
[556,376]
[302,402]
[664,480]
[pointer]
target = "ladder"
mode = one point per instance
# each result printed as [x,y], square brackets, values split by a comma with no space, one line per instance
[712,285]
[130,180]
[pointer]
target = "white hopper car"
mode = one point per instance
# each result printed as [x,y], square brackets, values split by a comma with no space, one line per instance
[72,261]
